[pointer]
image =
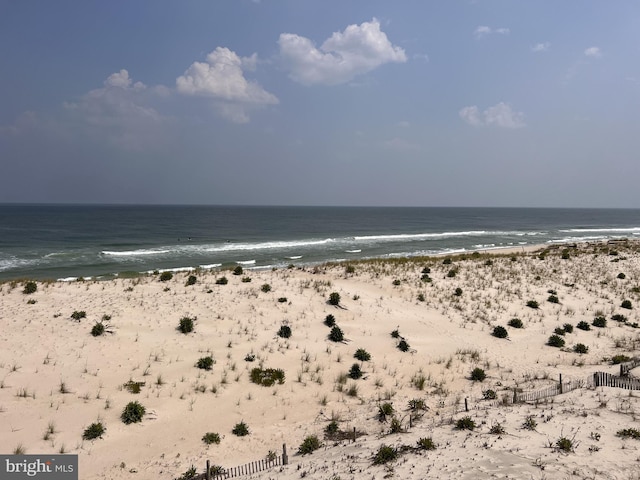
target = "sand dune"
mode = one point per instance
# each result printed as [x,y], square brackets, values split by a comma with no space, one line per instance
[57,378]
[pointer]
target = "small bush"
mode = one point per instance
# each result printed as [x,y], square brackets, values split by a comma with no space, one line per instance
[395,334]
[385,410]
[246,279]
[97,329]
[349,269]
[191,280]
[622,276]
[426,271]
[211,438]
[426,278]
[222,281]
[529,423]
[166,276]
[465,423]
[416,404]
[362,355]
[452,273]
[309,445]
[186,325]
[396,282]
[553,299]
[238,270]
[458,292]
[515,323]
[285,331]
[580,348]
[421,297]
[599,322]
[447,261]
[132,413]
[29,288]
[582,325]
[355,372]
[93,431]
[426,443]
[385,454]
[334,299]
[617,359]
[205,363]
[564,444]
[240,429]
[330,320]
[282,300]
[497,429]
[403,345]
[265,288]
[555,341]
[568,328]
[532,304]
[267,376]
[133,387]
[336,334]
[559,331]
[626,304]
[77,315]
[489,395]
[250,357]
[500,332]
[478,375]
[190,474]
[619,318]
[629,433]
[331,429]
[395,426]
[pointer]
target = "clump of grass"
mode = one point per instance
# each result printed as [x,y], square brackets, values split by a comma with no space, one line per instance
[205,363]
[629,433]
[222,281]
[403,345]
[515,323]
[564,444]
[599,322]
[210,438]
[29,288]
[355,372]
[186,325]
[97,329]
[166,276]
[529,423]
[133,413]
[385,410]
[497,429]
[265,288]
[267,376]
[240,429]
[626,304]
[78,315]
[385,454]
[500,332]
[426,443]
[362,355]
[465,423]
[330,321]
[285,331]
[580,348]
[133,387]
[93,431]
[533,304]
[334,299]
[582,325]
[309,445]
[556,341]
[478,374]
[336,334]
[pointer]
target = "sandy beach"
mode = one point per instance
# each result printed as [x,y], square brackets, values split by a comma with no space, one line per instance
[57,378]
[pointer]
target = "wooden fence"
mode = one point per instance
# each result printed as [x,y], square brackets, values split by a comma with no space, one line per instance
[219,473]
[601,379]
[626,367]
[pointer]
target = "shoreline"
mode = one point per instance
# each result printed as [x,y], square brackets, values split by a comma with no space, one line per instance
[54,372]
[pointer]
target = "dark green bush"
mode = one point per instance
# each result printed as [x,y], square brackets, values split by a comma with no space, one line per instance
[532,304]
[553,299]
[465,423]
[205,363]
[191,280]
[222,281]
[568,328]
[132,413]
[238,270]
[416,404]
[619,318]
[362,355]
[395,334]
[425,278]
[452,273]
[97,329]
[426,271]
[426,443]
[396,282]
[186,324]
[330,320]
[77,315]
[559,331]
[564,444]
[349,269]
[599,322]
[355,372]
[331,429]
[622,276]
[282,300]
[515,323]
[447,261]
[617,359]
[385,454]
[580,348]
[336,334]
[629,433]
[166,276]
[529,423]
[626,304]
[133,387]
[210,438]
[267,376]
[265,287]
[190,474]
[246,279]
[478,374]
[555,341]
[403,345]
[421,297]
[334,298]
[29,288]
[582,325]
[309,445]
[500,332]
[285,331]
[93,431]
[458,292]
[489,395]
[385,410]
[240,429]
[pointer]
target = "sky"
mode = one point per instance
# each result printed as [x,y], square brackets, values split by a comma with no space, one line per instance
[321,102]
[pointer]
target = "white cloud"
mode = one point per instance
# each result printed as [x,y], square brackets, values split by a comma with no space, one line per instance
[541,47]
[343,56]
[593,52]
[482,31]
[499,115]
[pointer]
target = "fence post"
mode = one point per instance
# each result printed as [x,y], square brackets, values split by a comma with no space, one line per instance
[561,383]
[515,396]
[354,434]
[466,405]
[207,474]
[595,379]
[621,370]
[285,457]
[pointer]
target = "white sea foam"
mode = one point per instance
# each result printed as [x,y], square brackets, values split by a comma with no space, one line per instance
[211,265]
[353,251]
[426,236]
[134,253]
[246,262]
[295,257]
[601,230]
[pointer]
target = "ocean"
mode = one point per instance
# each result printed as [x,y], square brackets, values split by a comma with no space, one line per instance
[70,241]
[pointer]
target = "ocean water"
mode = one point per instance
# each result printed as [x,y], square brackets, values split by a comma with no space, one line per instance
[65,242]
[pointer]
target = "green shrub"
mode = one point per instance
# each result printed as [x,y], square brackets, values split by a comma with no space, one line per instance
[285,331]
[330,320]
[629,433]
[515,323]
[599,322]
[355,372]
[362,355]
[246,279]
[489,395]
[416,404]
[29,288]
[190,474]
[452,273]
[267,376]
[205,363]
[191,280]
[559,331]
[403,345]
[500,332]
[622,276]
[238,270]
[447,261]
[395,426]
[97,329]
[349,269]
[497,429]
[426,271]
[529,423]
[334,298]
[309,445]
[385,454]
[532,304]
[555,341]
[465,423]
[222,281]
[421,297]
[93,431]
[458,292]
[396,282]
[564,444]
[282,300]
[478,374]
[265,288]
[582,325]
[617,359]
[395,334]
[626,304]
[385,410]
[211,438]
[336,334]
[580,348]
[553,299]
[331,429]
[132,413]
[77,315]
[426,278]
[619,318]
[166,276]
[133,387]
[186,325]
[426,443]
[568,328]
[240,429]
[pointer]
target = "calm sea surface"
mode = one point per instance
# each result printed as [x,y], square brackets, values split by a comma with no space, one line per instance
[52,242]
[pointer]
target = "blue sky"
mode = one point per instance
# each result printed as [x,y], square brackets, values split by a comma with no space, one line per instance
[300,102]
